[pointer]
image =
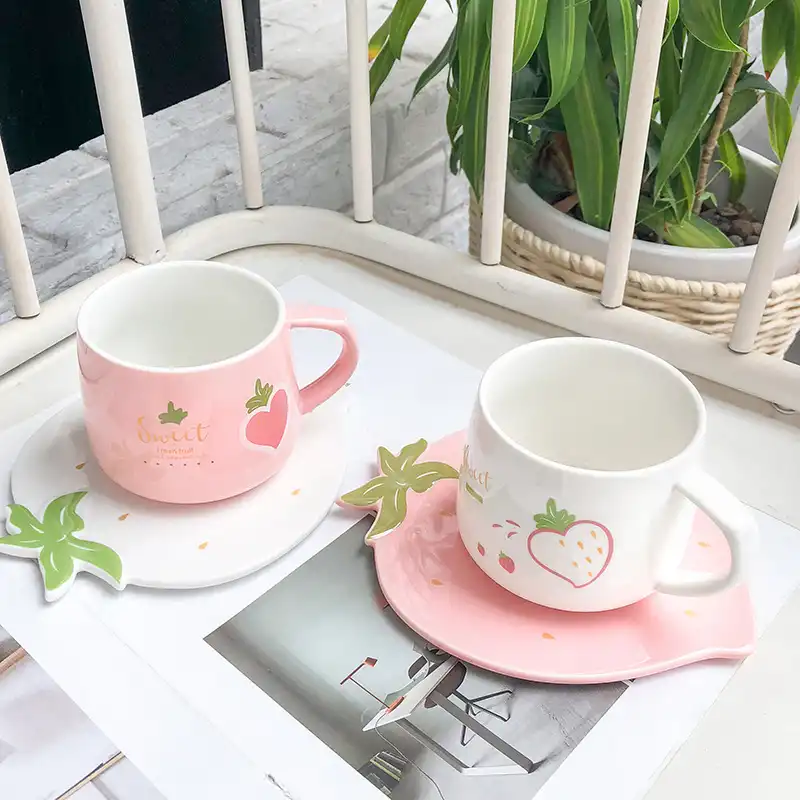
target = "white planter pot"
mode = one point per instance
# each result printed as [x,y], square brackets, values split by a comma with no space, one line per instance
[731,265]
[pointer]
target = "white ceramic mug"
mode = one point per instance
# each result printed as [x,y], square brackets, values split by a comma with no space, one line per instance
[581,477]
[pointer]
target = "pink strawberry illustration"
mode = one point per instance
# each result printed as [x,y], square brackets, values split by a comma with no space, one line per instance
[506,562]
[269,412]
[577,551]
[481,549]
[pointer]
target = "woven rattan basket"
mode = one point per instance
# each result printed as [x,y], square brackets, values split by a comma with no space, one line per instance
[706,306]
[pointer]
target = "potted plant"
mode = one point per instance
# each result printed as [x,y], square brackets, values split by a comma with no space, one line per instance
[702,197]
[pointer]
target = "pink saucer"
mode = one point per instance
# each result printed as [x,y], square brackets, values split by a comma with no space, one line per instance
[434,586]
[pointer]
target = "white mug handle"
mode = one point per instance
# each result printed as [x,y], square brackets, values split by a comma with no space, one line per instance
[732,517]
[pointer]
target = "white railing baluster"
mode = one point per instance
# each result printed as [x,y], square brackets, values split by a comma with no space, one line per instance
[12,245]
[769,251]
[109,44]
[239,68]
[494,182]
[360,121]
[634,148]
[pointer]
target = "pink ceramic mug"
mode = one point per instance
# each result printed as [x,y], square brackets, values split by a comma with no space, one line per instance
[188,385]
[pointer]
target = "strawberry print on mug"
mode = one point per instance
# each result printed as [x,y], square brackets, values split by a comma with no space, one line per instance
[577,551]
[267,416]
[173,436]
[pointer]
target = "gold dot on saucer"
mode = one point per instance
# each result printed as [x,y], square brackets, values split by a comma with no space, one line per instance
[561,542]
[574,563]
[591,574]
[704,544]
[81,465]
[123,517]
[600,550]
[436,582]
[580,544]
[690,613]
[202,546]
[296,492]
[588,558]
[594,534]
[548,636]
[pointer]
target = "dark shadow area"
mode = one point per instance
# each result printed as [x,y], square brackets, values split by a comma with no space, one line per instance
[47,97]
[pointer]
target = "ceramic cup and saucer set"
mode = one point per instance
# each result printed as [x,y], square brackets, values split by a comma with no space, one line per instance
[194,457]
[570,534]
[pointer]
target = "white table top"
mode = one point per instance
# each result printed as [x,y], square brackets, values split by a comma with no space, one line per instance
[751,448]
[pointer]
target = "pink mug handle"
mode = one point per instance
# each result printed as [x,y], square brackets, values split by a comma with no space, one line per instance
[326,319]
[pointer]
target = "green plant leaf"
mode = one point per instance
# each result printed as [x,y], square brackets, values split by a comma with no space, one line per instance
[473,153]
[404,15]
[565,34]
[56,564]
[378,39]
[444,57]
[622,28]
[777,20]
[369,494]
[705,21]
[673,10]
[22,520]
[96,554]
[793,50]
[528,30]
[669,80]
[779,123]
[684,189]
[473,47]
[422,476]
[731,159]
[741,104]
[707,68]
[392,512]
[379,71]
[693,231]
[593,135]
[734,15]
[752,80]
[528,109]
[758,6]
[61,515]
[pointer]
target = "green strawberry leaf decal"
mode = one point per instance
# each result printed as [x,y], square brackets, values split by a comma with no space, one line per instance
[553,519]
[58,548]
[173,416]
[389,491]
[260,398]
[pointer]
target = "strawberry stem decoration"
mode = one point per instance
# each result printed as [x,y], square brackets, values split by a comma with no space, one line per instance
[260,399]
[173,416]
[553,519]
[52,540]
[388,492]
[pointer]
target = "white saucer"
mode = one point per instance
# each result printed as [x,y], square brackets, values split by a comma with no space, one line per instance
[182,546]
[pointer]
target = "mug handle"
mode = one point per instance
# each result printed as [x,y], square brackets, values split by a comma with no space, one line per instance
[326,319]
[732,517]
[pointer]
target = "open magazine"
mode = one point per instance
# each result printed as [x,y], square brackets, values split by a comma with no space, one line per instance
[332,652]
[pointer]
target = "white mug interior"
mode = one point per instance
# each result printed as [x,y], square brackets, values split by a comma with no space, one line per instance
[591,404]
[181,315]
